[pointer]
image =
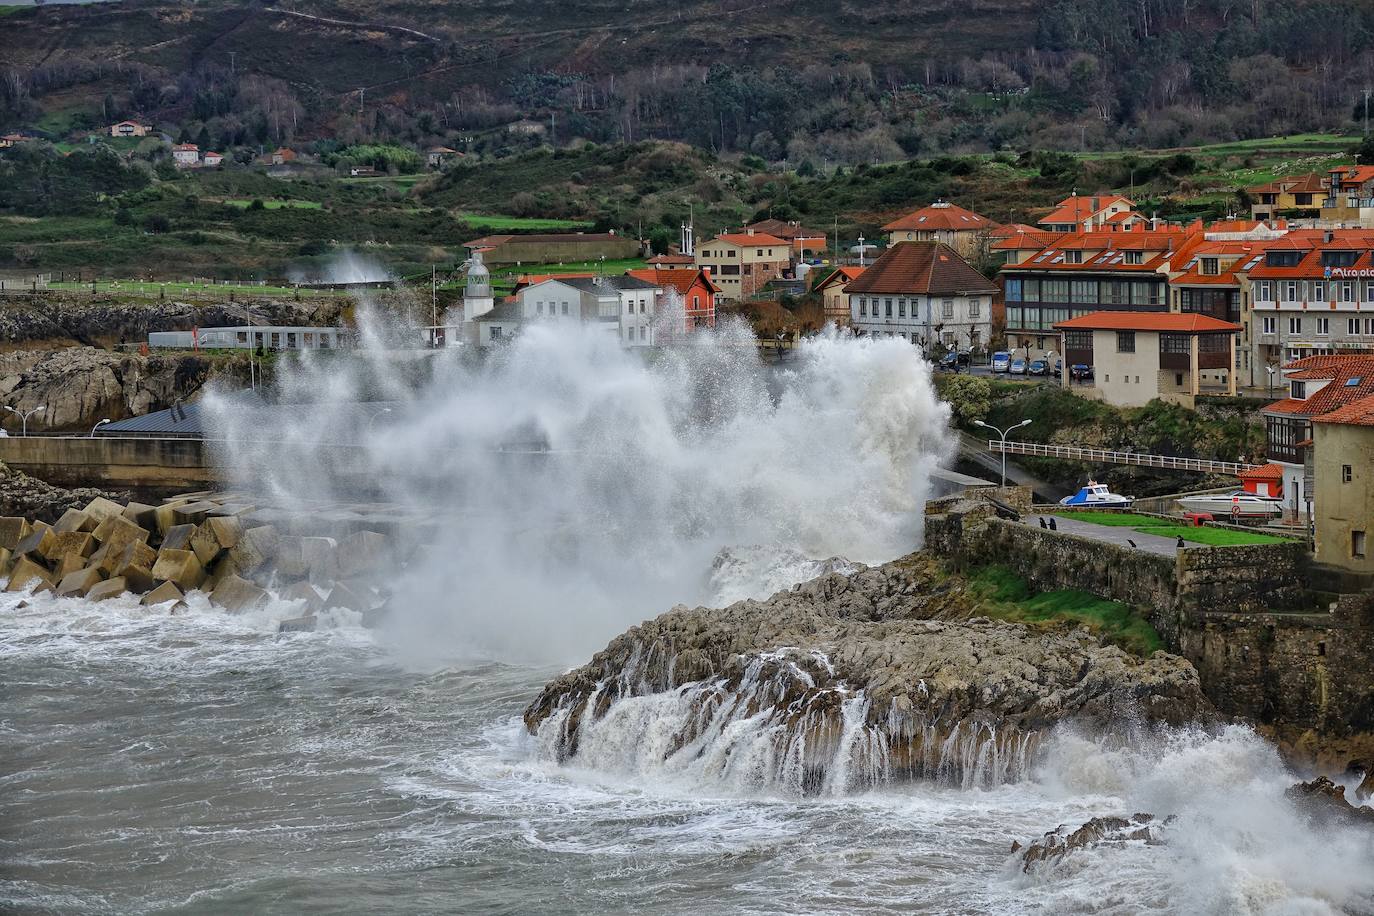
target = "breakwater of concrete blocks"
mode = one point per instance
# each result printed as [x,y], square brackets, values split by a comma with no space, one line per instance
[236,552]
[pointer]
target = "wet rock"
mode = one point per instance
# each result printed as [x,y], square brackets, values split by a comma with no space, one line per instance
[350,598]
[75,520]
[178,537]
[67,543]
[377,616]
[305,592]
[1055,845]
[12,531]
[1323,798]
[141,514]
[36,543]
[1366,787]
[901,639]
[116,532]
[134,565]
[102,508]
[254,549]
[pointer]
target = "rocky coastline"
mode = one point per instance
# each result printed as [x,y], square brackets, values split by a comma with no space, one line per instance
[885,673]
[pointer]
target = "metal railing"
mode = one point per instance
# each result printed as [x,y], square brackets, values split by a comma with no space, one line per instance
[1103,456]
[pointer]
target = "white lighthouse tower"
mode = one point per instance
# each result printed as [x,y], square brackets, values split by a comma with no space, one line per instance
[477,298]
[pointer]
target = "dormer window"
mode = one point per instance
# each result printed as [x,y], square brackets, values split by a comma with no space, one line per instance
[1211,267]
[1134,257]
[1073,257]
[1298,390]
[1282,258]
[1339,258]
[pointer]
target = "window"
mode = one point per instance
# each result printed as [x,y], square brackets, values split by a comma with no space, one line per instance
[1347,291]
[1295,325]
[947,308]
[496,332]
[643,303]
[1357,545]
[1084,291]
[1178,379]
[863,307]
[1323,327]
[1269,325]
[1013,293]
[643,333]
[1297,390]
[1345,473]
[1369,291]
[1125,341]
[565,308]
[1290,291]
[1264,291]
[1211,267]
[901,308]
[887,308]
[1352,326]
[1134,257]
[1318,291]
[241,337]
[974,308]
[1078,340]
[1073,257]
[539,308]
[759,253]
[1178,344]
[1282,258]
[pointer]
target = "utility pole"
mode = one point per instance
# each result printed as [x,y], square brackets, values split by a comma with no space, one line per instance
[433,299]
[1366,112]
[232,62]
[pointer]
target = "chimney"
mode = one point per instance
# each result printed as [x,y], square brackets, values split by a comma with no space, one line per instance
[748,230]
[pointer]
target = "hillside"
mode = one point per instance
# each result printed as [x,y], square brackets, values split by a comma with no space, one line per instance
[803,81]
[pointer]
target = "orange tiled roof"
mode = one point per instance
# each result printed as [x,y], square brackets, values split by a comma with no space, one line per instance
[744,239]
[844,273]
[1311,183]
[940,215]
[1351,382]
[787,232]
[1166,322]
[1077,209]
[1268,471]
[1355,413]
[1325,361]
[681,279]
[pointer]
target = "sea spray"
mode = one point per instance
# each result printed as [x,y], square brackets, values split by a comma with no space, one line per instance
[581,486]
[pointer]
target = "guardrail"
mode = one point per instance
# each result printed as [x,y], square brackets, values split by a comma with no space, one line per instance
[1104,456]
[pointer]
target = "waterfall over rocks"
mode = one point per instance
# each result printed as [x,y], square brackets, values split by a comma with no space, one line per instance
[845,683]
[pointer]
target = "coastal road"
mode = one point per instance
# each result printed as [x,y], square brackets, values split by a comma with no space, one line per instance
[1150,543]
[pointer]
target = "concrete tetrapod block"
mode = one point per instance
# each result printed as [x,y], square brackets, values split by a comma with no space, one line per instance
[342,596]
[362,552]
[223,568]
[77,584]
[142,515]
[12,531]
[377,616]
[226,530]
[67,543]
[117,531]
[179,567]
[25,572]
[304,591]
[134,565]
[193,513]
[321,559]
[36,543]
[236,595]
[110,588]
[75,520]
[164,592]
[6,558]
[297,625]
[178,537]
[101,508]
[289,558]
[255,549]
[68,565]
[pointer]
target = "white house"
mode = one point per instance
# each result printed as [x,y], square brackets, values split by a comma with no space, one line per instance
[924,292]
[623,306]
[186,155]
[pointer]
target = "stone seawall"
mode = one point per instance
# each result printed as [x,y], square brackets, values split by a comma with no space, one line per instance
[1234,612]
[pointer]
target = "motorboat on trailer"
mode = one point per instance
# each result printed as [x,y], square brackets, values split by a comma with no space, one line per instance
[1237,504]
[1097,496]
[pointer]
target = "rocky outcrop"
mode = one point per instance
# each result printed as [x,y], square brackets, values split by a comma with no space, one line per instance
[882,672]
[1323,798]
[109,319]
[1051,849]
[29,497]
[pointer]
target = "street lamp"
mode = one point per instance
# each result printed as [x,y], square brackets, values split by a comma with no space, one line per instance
[24,416]
[1003,434]
[98,425]
[1270,370]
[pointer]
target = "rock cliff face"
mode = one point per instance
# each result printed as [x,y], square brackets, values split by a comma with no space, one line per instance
[106,320]
[77,386]
[849,680]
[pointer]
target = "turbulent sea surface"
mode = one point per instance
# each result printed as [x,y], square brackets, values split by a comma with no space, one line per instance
[200,763]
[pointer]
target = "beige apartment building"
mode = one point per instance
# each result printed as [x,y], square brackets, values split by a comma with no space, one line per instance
[742,263]
[1343,475]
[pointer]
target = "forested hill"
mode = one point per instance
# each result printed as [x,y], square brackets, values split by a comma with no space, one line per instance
[806,80]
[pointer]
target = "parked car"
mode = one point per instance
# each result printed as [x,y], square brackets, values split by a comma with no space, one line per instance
[1017,367]
[953,359]
[1038,367]
[1081,372]
[1001,361]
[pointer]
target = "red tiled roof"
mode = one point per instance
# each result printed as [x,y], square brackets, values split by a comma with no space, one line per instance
[781,229]
[1324,361]
[1171,323]
[843,274]
[681,279]
[1350,382]
[671,259]
[1078,209]
[940,215]
[1311,183]
[929,268]
[1268,471]
[1355,413]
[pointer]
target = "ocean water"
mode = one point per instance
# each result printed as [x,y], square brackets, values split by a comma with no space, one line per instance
[200,763]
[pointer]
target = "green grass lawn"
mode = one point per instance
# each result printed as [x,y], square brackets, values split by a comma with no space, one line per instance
[610,267]
[1163,527]
[244,204]
[1006,596]
[488,221]
[153,288]
[11,10]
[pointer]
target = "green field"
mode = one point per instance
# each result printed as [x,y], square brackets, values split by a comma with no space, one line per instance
[489,221]
[274,204]
[10,10]
[1007,597]
[141,288]
[1166,528]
